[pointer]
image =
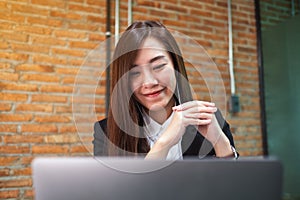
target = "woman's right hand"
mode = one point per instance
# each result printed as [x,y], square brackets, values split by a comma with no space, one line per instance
[190,113]
[197,113]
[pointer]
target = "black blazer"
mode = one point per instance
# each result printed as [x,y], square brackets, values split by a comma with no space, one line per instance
[193,143]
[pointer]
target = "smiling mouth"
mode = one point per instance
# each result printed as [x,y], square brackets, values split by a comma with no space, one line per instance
[153,94]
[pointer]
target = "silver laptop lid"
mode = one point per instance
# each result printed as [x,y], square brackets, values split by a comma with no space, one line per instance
[129,179]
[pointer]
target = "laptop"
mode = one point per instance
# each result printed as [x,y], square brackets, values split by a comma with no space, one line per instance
[102,178]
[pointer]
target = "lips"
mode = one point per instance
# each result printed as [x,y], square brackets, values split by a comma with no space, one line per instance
[153,94]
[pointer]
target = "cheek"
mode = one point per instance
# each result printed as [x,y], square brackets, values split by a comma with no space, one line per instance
[169,79]
[133,86]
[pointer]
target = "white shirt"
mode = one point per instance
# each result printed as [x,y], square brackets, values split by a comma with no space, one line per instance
[153,130]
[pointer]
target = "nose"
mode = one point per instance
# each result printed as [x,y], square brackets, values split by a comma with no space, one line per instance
[149,80]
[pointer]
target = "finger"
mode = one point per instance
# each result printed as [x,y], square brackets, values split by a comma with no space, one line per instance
[199,109]
[199,122]
[199,115]
[192,104]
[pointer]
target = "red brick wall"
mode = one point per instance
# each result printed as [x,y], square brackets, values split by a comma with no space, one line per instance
[44,43]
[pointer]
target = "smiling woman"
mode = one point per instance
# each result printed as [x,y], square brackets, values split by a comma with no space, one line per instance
[152,113]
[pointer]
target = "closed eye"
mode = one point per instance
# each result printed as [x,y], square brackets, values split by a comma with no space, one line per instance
[134,73]
[157,67]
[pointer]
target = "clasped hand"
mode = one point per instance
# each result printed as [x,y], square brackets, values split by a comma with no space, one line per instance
[197,113]
[200,114]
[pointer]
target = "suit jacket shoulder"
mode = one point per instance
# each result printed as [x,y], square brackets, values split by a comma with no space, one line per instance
[100,138]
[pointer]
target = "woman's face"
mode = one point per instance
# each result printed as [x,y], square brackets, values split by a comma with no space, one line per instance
[152,79]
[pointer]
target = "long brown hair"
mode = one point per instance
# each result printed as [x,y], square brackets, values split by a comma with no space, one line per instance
[124,117]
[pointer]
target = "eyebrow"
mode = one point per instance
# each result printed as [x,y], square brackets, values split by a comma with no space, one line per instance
[152,60]
[156,58]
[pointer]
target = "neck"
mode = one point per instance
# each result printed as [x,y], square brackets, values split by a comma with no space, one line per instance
[160,116]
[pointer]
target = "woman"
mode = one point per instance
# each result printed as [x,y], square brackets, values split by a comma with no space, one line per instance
[152,113]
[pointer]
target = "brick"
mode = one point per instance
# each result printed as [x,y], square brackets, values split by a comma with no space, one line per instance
[49,98]
[48,41]
[3,45]
[81,26]
[96,3]
[63,109]
[68,52]
[5,67]
[45,21]
[19,139]
[33,29]
[14,149]
[100,109]
[26,160]
[29,9]
[175,8]
[50,149]
[35,68]
[40,78]
[80,81]
[20,37]
[84,118]
[56,139]
[68,129]
[83,9]
[19,19]
[69,34]
[215,37]
[9,76]
[80,149]
[20,87]
[29,193]
[7,194]
[5,106]
[4,172]
[44,59]
[72,71]
[39,128]
[161,13]
[84,45]
[34,107]
[65,16]
[76,62]
[138,10]
[52,119]
[56,89]
[50,3]
[15,117]
[3,5]
[217,52]
[22,172]
[96,19]
[87,100]
[154,4]
[16,182]
[9,160]
[96,37]
[29,48]
[6,25]
[68,80]
[8,128]
[89,90]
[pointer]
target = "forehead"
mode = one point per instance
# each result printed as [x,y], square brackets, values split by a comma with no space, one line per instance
[149,49]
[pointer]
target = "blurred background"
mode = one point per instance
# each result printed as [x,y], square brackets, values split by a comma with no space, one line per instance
[44,46]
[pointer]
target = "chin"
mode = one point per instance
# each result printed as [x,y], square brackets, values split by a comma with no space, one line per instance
[157,106]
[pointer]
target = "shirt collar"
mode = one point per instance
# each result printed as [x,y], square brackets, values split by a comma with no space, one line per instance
[152,128]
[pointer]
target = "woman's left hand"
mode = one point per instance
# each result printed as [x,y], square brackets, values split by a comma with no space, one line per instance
[211,131]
